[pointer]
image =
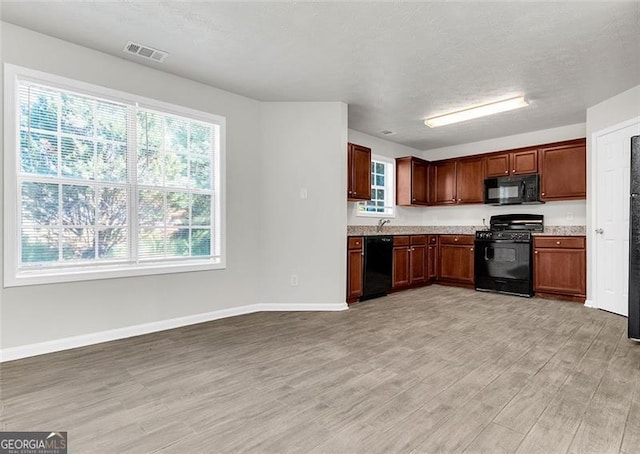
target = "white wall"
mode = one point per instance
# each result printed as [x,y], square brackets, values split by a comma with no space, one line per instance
[403,215]
[255,233]
[304,149]
[622,107]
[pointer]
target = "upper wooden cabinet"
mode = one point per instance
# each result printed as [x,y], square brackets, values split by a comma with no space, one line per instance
[359,172]
[412,181]
[458,181]
[443,183]
[563,171]
[470,180]
[520,162]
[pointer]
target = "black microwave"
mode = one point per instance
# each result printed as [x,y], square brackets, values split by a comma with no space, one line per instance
[512,190]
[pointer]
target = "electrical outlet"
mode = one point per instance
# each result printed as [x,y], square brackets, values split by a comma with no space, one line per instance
[304,193]
[294,280]
[569,216]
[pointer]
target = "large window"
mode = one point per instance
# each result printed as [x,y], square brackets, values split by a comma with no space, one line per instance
[382,189]
[105,184]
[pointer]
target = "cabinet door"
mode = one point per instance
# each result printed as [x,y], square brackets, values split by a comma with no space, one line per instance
[563,172]
[456,264]
[470,180]
[498,165]
[524,162]
[443,187]
[432,262]
[401,270]
[561,271]
[419,182]
[359,170]
[354,274]
[418,264]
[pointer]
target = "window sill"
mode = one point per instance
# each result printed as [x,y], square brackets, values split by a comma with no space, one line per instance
[376,215]
[54,276]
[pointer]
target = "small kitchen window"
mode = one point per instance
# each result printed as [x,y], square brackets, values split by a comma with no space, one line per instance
[382,201]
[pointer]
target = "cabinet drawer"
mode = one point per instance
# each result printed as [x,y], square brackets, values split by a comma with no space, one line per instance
[354,243]
[418,239]
[565,242]
[433,239]
[457,239]
[401,241]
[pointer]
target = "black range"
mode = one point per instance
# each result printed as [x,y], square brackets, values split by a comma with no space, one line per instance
[503,255]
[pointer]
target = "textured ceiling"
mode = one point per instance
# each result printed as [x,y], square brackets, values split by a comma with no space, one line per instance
[393,63]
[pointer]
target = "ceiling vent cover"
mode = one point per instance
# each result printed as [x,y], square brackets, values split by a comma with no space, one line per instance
[145,51]
[386,132]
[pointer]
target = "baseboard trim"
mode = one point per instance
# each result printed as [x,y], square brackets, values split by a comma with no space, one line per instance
[590,303]
[68,343]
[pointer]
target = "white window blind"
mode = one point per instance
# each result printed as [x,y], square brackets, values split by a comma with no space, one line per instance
[105,183]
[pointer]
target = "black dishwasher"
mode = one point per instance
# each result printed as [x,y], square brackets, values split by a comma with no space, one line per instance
[378,262]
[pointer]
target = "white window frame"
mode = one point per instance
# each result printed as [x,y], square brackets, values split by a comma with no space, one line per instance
[390,190]
[14,275]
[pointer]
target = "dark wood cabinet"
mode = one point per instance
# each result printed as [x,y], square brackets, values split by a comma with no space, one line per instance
[458,181]
[456,263]
[401,262]
[432,258]
[559,267]
[355,258]
[359,172]
[412,181]
[563,171]
[519,162]
[418,259]
[443,183]
[470,175]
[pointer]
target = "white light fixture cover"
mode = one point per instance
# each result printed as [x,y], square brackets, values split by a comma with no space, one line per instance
[476,112]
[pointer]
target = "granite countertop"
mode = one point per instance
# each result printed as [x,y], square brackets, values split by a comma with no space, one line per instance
[369,230]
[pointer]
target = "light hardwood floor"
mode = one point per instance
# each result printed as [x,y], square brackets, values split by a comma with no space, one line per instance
[429,370]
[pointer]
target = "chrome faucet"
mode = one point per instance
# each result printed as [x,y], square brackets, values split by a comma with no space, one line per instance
[381,223]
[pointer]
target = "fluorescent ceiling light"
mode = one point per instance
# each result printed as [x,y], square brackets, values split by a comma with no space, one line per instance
[476,112]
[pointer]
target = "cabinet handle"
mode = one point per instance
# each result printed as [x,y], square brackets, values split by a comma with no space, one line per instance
[557,242]
[535,252]
[453,200]
[471,249]
[459,200]
[514,170]
[414,200]
[506,171]
[542,193]
[362,253]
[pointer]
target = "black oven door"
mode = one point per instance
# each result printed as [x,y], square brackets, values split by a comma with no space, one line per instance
[504,266]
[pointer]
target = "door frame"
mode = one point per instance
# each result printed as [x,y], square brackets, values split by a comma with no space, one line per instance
[592,209]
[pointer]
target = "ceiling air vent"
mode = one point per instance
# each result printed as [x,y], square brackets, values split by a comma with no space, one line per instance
[386,132]
[145,52]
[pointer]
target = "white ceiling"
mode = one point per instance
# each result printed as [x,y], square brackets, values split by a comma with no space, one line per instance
[393,63]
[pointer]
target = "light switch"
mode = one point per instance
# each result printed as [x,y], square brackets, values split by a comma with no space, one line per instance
[304,193]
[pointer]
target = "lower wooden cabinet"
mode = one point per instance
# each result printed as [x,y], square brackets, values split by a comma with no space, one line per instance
[560,267]
[410,261]
[432,258]
[355,261]
[401,264]
[456,263]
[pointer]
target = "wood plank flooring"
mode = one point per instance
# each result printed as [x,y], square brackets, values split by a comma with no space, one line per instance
[436,369]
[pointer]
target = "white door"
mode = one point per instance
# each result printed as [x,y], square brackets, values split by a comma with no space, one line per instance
[612,161]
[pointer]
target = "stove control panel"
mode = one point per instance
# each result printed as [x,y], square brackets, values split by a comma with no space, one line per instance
[503,235]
